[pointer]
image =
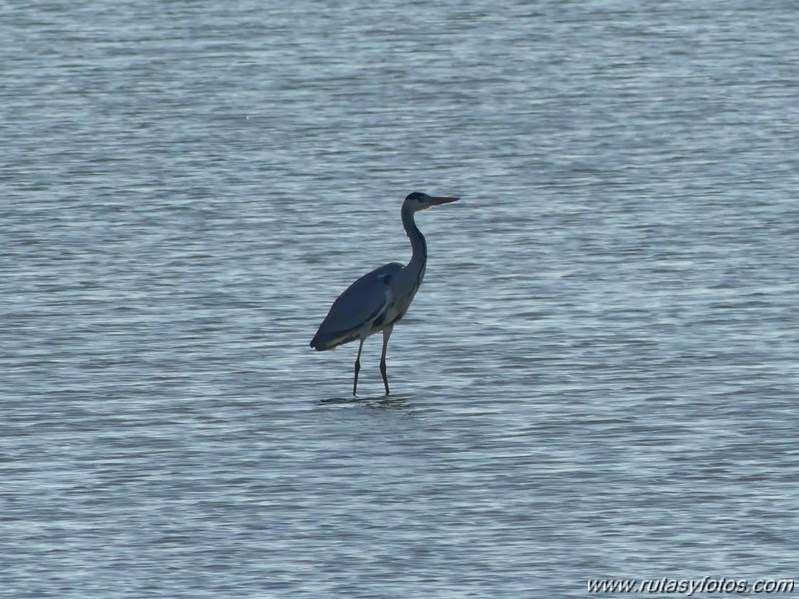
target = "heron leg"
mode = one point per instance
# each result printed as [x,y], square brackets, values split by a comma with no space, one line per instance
[357,368]
[386,335]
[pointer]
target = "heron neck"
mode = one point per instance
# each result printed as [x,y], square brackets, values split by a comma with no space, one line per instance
[418,244]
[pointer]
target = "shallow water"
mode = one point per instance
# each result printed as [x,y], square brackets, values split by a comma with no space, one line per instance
[597,379]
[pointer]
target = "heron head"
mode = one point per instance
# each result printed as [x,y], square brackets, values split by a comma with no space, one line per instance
[421,201]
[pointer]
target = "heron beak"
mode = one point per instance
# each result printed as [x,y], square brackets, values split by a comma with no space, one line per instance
[439,201]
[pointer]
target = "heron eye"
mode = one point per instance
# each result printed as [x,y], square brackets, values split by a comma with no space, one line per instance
[417,196]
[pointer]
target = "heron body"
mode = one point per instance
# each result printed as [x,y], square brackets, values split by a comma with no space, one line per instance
[379,299]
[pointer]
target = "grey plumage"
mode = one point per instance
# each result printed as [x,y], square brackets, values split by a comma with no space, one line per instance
[379,299]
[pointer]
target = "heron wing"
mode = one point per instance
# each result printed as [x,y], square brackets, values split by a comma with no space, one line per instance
[361,304]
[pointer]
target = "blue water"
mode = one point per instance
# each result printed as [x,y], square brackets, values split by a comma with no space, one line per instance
[598,378]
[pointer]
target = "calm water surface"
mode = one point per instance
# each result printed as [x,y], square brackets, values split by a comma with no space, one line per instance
[598,378]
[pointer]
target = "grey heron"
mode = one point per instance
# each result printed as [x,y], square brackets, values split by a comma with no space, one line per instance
[379,299]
